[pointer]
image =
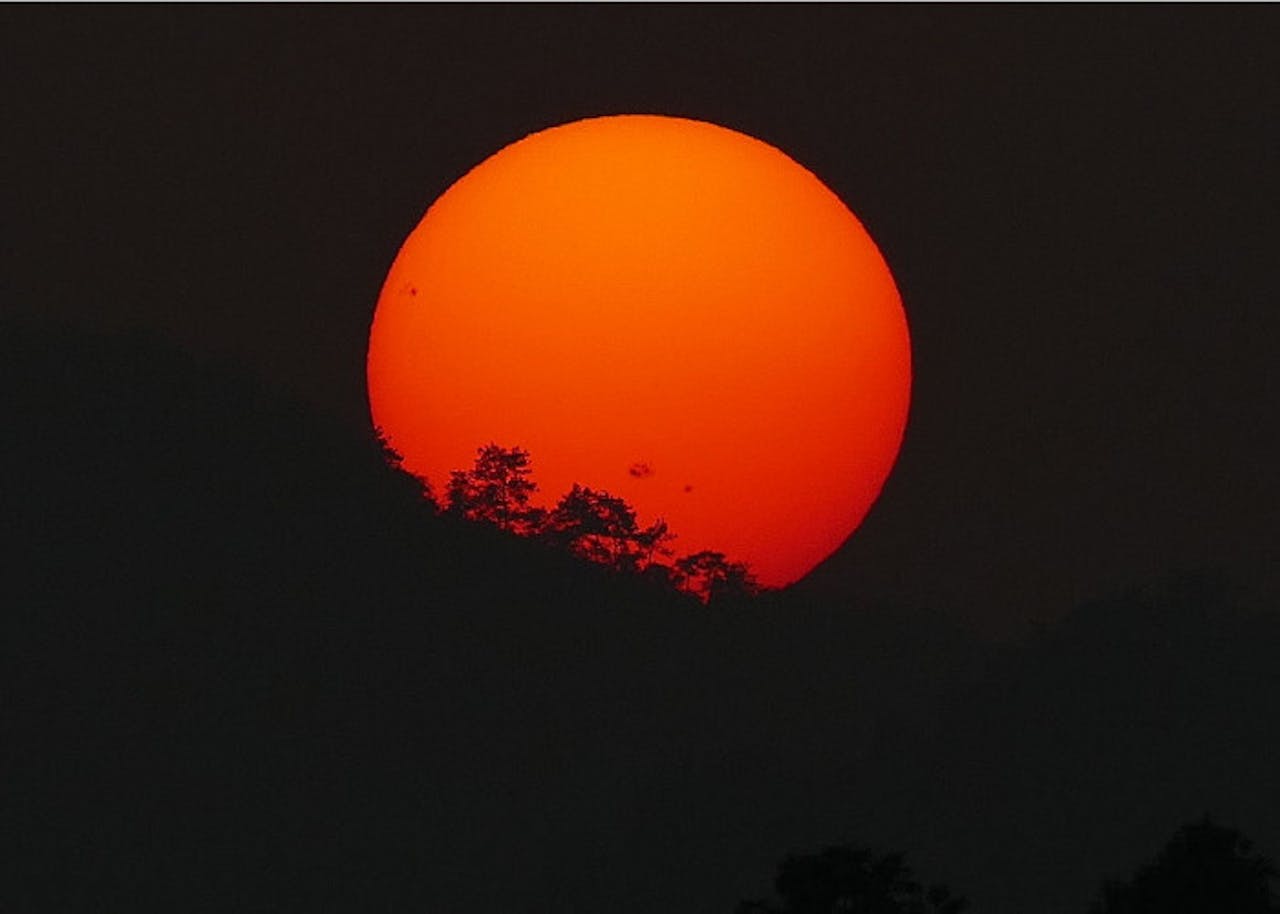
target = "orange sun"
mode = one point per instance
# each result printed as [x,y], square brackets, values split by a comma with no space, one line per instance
[661,308]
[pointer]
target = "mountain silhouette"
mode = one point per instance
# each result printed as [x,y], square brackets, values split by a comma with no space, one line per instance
[250,668]
[1091,743]
[246,667]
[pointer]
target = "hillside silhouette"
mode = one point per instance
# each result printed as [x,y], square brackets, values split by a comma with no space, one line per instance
[1092,742]
[245,667]
[248,662]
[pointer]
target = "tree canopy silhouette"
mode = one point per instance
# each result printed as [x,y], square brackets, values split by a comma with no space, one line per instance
[712,577]
[590,523]
[1204,869]
[603,528]
[853,880]
[496,490]
[395,460]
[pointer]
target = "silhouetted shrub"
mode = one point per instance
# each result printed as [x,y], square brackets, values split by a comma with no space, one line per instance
[853,880]
[1204,869]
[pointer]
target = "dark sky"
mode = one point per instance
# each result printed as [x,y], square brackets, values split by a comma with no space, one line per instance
[1079,205]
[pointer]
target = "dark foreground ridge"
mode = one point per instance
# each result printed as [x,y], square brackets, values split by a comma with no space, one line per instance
[244,667]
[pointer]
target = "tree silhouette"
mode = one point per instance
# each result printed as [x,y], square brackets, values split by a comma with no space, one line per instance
[853,880]
[496,490]
[590,523]
[395,460]
[603,528]
[711,576]
[1204,869]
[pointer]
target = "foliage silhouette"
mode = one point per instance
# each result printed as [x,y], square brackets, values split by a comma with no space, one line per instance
[853,880]
[1204,869]
[496,490]
[591,524]
[602,528]
[713,578]
[395,460]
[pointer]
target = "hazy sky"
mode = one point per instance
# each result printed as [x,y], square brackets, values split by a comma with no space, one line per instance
[1078,204]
